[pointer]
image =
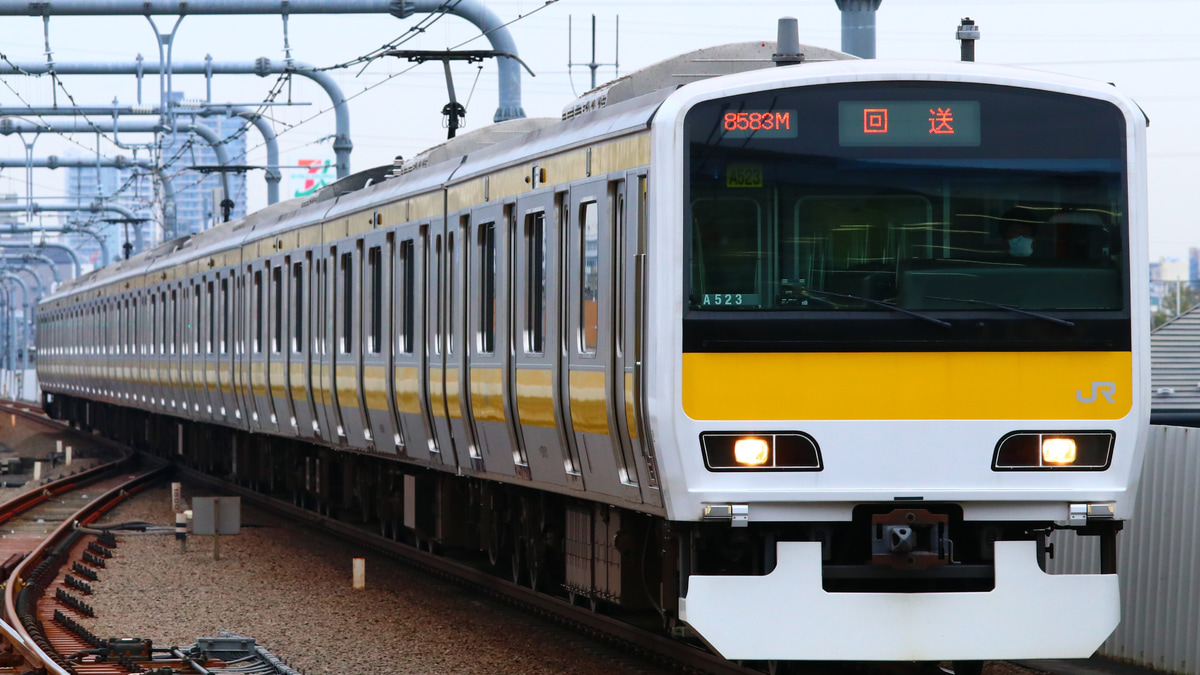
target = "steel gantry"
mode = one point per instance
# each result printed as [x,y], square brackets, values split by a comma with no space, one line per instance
[53,162]
[34,258]
[115,112]
[34,207]
[71,254]
[262,67]
[471,10]
[9,125]
[105,256]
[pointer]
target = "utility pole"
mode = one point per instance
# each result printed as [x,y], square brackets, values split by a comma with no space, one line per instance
[593,65]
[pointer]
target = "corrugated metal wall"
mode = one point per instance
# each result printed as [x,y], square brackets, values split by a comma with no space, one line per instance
[1158,558]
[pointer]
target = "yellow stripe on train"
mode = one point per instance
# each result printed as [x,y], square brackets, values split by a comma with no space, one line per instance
[908,386]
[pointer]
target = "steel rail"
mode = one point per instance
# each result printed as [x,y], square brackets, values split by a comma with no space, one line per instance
[11,628]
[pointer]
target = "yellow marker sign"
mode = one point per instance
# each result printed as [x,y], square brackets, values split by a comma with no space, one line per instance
[744,176]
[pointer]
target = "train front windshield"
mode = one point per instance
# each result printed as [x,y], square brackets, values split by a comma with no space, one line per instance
[956,213]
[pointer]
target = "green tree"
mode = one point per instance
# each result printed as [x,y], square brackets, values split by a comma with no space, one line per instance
[1182,295]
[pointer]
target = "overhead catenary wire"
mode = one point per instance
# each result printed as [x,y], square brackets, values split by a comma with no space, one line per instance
[404,71]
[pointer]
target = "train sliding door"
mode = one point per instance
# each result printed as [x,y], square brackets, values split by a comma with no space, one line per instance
[436,346]
[607,467]
[299,318]
[537,340]
[488,340]
[261,416]
[279,351]
[376,330]
[629,350]
[322,332]
[225,341]
[458,374]
[347,344]
[410,394]
[241,346]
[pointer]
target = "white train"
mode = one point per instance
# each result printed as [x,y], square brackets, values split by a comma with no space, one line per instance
[808,360]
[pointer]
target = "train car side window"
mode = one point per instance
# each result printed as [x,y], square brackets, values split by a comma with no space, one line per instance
[375,274]
[154,324]
[212,317]
[535,293]
[136,347]
[438,304]
[487,291]
[224,316]
[407,297]
[589,276]
[451,273]
[277,334]
[298,306]
[347,302]
[196,302]
[258,312]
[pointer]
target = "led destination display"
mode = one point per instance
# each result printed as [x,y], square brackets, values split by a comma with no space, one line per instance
[908,123]
[759,124]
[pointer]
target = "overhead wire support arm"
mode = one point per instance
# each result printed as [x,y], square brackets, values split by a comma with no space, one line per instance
[454,111]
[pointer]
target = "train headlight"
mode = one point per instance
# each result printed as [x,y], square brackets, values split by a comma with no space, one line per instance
[1059,451]
[751,451]
[1054,451]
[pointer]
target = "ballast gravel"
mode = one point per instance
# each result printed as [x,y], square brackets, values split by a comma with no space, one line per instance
[32,441]
[290,588]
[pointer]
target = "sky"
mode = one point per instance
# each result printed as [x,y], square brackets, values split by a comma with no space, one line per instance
[1145,47]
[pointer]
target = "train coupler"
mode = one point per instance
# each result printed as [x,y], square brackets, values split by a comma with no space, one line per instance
[910,539]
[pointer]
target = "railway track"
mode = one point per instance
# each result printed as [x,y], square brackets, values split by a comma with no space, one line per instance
[40,545]
[651,646]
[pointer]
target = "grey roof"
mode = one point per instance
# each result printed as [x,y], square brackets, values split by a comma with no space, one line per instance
[701,64]
[1175,363]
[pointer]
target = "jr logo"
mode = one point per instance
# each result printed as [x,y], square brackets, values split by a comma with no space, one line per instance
[1105,389]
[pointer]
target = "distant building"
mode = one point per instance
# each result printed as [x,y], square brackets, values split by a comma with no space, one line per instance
[193,190]
[1175,371]
[1194,265]
[1165,275]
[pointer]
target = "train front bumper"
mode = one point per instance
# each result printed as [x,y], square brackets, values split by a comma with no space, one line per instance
[786,615]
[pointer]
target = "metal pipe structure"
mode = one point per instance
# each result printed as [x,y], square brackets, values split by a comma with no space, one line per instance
[471,10]
[124,212]
[342,145]
[65,208]
[858,26]
[116,111]
[5,355]
[273,176]
[9,125]
[38,289]
[121,162]
[34,258]
[58,247]
[105,257]
[15,332]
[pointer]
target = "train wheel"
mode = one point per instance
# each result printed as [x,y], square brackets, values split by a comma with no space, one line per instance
[518,561]
[535,567]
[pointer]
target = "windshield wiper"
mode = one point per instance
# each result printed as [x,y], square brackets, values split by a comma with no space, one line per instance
[877,303]
[1018,310]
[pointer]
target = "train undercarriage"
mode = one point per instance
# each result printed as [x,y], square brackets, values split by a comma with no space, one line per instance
[594,554]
